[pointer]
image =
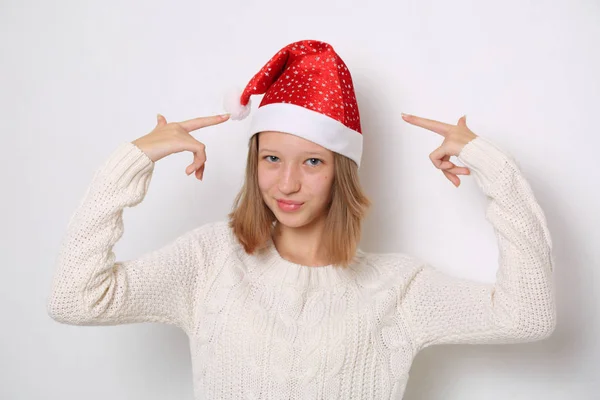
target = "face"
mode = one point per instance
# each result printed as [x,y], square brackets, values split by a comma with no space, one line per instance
[296,170]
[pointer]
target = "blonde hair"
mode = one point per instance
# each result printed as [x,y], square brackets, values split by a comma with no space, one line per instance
[252,221]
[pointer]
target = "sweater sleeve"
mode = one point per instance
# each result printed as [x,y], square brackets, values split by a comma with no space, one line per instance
[520,305]
[90,288]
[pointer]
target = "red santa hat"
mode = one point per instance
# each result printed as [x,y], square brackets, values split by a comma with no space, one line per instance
[308,92]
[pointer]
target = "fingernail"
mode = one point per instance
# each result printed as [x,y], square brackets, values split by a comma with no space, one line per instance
[225,116]
[405,115]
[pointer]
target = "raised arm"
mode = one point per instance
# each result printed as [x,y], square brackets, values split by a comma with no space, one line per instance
[90,288]
[520,305]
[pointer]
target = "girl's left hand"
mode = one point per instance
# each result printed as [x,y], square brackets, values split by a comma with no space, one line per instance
[455,138]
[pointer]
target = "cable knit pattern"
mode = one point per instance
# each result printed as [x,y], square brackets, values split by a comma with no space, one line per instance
[262,327]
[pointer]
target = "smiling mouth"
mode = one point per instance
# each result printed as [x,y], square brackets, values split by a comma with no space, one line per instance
[287,206]
[290,202]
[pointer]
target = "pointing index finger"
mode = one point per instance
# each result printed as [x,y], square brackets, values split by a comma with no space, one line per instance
[432,125]
[201,122]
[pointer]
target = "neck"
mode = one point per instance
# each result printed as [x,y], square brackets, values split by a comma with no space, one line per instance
[303,245]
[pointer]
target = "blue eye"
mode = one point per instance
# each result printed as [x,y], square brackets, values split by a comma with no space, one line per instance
[275,158]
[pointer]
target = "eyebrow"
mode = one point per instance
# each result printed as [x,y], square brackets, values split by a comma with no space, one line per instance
[305,153]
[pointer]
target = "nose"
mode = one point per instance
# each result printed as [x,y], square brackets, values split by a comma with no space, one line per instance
[289,179]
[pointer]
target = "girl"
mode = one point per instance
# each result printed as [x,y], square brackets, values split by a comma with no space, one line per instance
[278,301]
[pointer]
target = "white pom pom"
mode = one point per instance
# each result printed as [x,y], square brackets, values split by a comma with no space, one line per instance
[232,105]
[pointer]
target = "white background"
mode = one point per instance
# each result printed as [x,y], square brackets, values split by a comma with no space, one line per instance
[79,77]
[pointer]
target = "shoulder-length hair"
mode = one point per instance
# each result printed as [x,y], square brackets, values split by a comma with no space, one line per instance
[252,221]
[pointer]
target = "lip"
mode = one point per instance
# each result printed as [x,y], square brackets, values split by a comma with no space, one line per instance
[289,202]
[287,205]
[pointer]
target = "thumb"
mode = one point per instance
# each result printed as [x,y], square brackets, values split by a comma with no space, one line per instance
[160,120]
[462,121]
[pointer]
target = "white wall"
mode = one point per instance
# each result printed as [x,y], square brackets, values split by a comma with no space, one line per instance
[77,78]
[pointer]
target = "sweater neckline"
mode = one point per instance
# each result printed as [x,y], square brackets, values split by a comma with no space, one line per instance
[272,269]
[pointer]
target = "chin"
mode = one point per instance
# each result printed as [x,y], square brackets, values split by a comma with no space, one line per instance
[299,220]
[291,221]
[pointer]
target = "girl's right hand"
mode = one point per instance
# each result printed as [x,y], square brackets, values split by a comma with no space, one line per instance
[174,137]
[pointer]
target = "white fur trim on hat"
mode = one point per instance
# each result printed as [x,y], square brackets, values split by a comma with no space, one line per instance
[308,124]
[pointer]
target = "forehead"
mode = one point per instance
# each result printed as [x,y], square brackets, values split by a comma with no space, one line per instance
[281,141]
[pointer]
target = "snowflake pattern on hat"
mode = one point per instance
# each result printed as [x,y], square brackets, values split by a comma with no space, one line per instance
[308,92]
[310,74]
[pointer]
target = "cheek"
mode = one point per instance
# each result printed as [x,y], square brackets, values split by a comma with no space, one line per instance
[322,185]
[266,179]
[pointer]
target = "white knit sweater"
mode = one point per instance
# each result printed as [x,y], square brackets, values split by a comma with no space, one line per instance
[261,327]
